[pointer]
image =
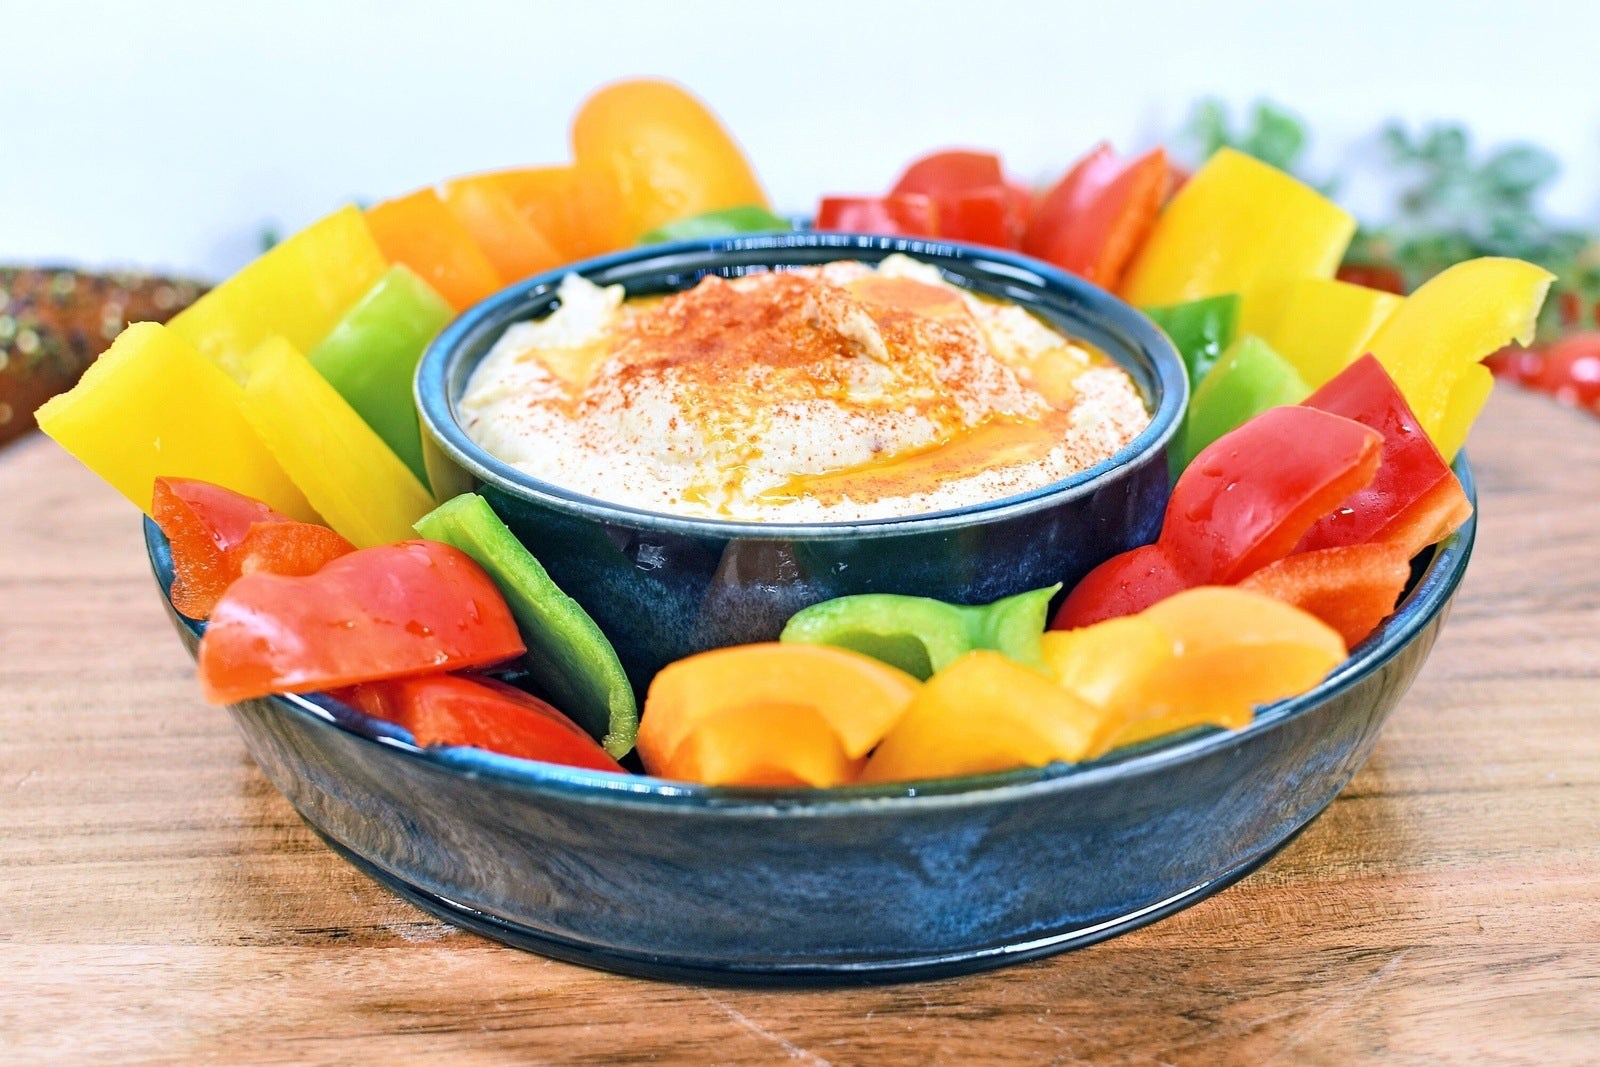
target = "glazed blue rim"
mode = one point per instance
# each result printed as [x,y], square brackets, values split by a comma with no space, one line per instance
[1425,601]
[972,266]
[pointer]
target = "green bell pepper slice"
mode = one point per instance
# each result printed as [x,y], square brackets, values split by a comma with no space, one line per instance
[568,655]
[920,635]
[1201,330]
[1248,379]
[371,357]
[749,218]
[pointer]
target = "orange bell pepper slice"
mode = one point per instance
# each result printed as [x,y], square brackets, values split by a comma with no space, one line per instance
[547,198]
[747,709]
[647,153]
[517,248]
[1352,588]
[419,231]
[986,713]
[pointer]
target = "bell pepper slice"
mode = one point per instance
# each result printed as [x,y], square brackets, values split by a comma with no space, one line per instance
[1097,242]
[216,535]
[920,635]
[858,697]
[1431,344]
[1236,649]
[1201,330]
[357,483]
[152,405]
[986,713]
[513,244]
[656,154]
[1326,325]
[569,658]
[297,290]
[726,222]
[448,710]
[371,358]
[418,607]
[1352,588]
[972,199]
[420,232]
[1414,500]
[1243,503]
[1067,200]
[941,173]
[773,745]
[906,215]
[1107,663]
[547,198]
[1248,379]
[1239,226]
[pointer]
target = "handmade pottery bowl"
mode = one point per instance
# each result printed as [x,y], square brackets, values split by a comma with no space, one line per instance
[878,883]
[663,587]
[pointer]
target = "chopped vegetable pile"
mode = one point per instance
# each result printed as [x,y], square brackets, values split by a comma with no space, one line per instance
[270,432]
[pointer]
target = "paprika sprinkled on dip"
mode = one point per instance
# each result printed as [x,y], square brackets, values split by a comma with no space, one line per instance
[821,394]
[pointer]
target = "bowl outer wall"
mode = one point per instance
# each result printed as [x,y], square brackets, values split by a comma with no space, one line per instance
[883,882]
[663,587]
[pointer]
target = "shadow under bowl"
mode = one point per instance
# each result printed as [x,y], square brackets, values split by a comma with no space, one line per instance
[663,587]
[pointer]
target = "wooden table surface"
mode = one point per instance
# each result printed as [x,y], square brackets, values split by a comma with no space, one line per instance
[159,901]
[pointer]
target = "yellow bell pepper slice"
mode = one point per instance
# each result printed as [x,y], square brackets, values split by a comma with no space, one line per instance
[298,290]
[1107,663]
[1239,226]
[153,406]
[1326,324]
[856,696]
[985,713]
[363,490]
[647,153]
[1448,326]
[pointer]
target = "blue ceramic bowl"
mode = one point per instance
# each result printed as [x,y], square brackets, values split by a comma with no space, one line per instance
[664,587]
[664,879]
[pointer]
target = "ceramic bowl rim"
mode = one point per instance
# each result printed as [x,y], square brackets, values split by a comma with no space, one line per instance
[1428,598]
[494,314]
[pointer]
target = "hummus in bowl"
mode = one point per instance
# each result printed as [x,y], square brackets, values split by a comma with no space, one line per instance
[836,392]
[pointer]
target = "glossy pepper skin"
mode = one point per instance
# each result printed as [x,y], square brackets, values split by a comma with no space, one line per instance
[420,232]
[971,198]
[498,225]
[1414,500]
[1326,324]
[217,535]
[1352,588]
[920,635]
[299,289]
[1244,502]
[1239,226]
[770,714]
[1201,330]
[1434,342]
[152,405]
[726,222]
[647,152]
[371,357]
[1248,379]
[569,658]
[905,215]
[357,483]
[442,710]
[1097,236]
[418,607]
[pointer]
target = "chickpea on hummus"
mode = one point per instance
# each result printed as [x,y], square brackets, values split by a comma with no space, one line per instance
[821,394]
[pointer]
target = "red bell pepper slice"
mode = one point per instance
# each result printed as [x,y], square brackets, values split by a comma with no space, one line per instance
[1096,217]
[972,198]
[1414,500]
[448,709]
[906,215]
[217,535]
[939,174]
[1069,198]
[1243,503]
[416,607]
[1352,588]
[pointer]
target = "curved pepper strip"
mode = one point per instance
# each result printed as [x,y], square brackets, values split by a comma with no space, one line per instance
[768,714]
[1248,379]
[1243,503]
[971,198]
[1239,226]
[508,237]
[418,607]
[1326,325]
[905,215]
[1433,344]
[1201,330]
[1352,588]
[420,232]
[569,657]
[1097,240]
[920,635]
[217,535]
[449,710]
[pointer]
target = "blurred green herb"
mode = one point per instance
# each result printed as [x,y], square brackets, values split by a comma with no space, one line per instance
[1272,134]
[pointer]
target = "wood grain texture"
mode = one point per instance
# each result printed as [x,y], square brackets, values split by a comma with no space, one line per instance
[159,902]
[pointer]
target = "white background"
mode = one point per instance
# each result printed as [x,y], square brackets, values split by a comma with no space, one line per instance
[171,134]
